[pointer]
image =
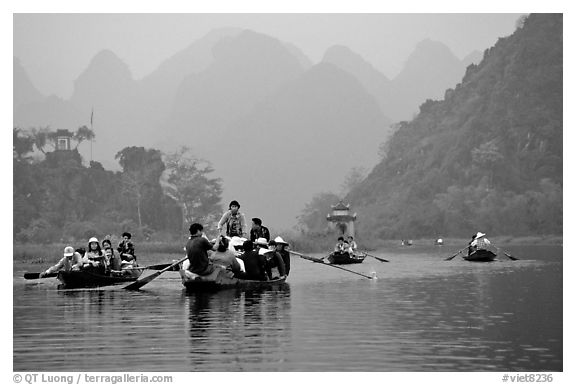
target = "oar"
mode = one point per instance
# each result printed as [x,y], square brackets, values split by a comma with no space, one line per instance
[141,282]
[450,258]
[321,261]
[152,267]
[380,259]
[37,275]
[510,256]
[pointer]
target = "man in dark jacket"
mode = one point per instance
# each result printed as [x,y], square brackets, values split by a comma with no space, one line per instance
[259,231]
[197,249]
[254,263]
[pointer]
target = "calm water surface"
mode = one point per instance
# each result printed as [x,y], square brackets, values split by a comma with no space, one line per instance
[421,314]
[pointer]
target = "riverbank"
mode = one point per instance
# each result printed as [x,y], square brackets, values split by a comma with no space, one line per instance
[41,254]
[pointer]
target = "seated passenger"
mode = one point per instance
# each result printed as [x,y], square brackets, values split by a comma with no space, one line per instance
[225,257]
[352,244]
[126,251]
[71,261]
[281,246]
[254,263]
[94,257]
[340,247]
[274,263]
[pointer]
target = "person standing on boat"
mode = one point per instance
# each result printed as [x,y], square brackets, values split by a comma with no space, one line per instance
[259,231]
[126,251]
[281,246]
[234,221]
[478,242]
[254,263]
[94,257]
[71,261]
[197,249]
[225,257]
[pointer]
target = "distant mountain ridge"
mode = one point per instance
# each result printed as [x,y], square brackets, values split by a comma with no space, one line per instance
[487,157]
[232,81]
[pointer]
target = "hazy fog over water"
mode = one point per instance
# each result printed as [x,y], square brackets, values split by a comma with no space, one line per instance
[55,48]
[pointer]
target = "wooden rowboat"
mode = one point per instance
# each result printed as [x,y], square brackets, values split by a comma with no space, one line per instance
[344,258]
[481,255]
[223,280]
[87,278]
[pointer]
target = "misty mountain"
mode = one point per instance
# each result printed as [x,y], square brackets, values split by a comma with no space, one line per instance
[473,57]
[428,72]
[371,79]
[158,89]
[487,157]
[24,90]
[245,70]
[304,139]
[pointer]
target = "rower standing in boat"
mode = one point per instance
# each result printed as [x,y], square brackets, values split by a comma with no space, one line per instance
[259,231]
[71,261]
[234,221]
[478,242]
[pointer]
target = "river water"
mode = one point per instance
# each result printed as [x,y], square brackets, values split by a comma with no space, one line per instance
[421,314]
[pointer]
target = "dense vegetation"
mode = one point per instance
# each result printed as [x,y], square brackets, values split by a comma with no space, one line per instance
[57,198]
[488,157]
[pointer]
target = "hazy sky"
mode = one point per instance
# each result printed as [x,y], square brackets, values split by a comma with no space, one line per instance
[55,48]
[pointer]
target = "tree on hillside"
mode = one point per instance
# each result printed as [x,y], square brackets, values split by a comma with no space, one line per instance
[187,180]
[354,177]
[140,177]
[313,217]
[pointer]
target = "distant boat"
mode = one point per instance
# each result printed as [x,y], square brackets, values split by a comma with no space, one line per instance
[84,278]
[481,255]
[344,258]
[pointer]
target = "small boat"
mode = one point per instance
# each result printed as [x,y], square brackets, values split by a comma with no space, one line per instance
[481,255]
[344,258]
[87,278]
[223,280]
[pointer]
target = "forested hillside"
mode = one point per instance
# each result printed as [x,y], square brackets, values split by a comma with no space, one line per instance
[488,157]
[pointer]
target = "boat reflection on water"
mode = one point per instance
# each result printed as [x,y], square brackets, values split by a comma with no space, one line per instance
[245,329]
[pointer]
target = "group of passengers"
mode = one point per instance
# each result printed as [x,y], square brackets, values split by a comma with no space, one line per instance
[346,245]
[256,258]
[98,258]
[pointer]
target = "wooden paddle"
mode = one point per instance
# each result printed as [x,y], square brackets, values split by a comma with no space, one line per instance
[321,261]
[510,256]
[141,282]
[37,275]
[153,267]
[450,258]
[380,259]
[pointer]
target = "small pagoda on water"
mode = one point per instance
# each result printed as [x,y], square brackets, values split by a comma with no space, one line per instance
[341,220]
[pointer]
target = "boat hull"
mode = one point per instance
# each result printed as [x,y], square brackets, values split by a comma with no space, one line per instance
[223,280]
[481,256]
[337,258]
[84,279]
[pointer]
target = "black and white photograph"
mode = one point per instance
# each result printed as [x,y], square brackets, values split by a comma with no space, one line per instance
[332,192]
